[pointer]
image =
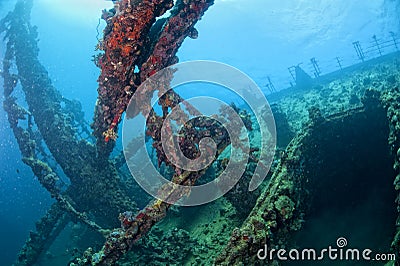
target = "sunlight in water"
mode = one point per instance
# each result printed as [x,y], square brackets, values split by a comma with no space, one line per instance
[80,11]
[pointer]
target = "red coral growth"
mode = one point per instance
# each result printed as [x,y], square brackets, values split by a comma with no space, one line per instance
[172,36]
[125,34]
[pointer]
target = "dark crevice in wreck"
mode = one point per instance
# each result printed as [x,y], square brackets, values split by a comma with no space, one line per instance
[350,183]
[321,169]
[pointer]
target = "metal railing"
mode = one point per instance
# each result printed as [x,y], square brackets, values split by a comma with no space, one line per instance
[376,48]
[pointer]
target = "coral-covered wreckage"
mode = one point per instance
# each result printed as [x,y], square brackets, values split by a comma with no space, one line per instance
[136,44]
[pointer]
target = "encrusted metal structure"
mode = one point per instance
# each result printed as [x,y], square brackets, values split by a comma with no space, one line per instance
[135,46]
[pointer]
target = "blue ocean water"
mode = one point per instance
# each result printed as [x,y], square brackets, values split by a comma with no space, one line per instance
[261,38]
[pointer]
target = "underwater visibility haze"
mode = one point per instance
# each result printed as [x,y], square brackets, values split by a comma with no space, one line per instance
[200,132]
